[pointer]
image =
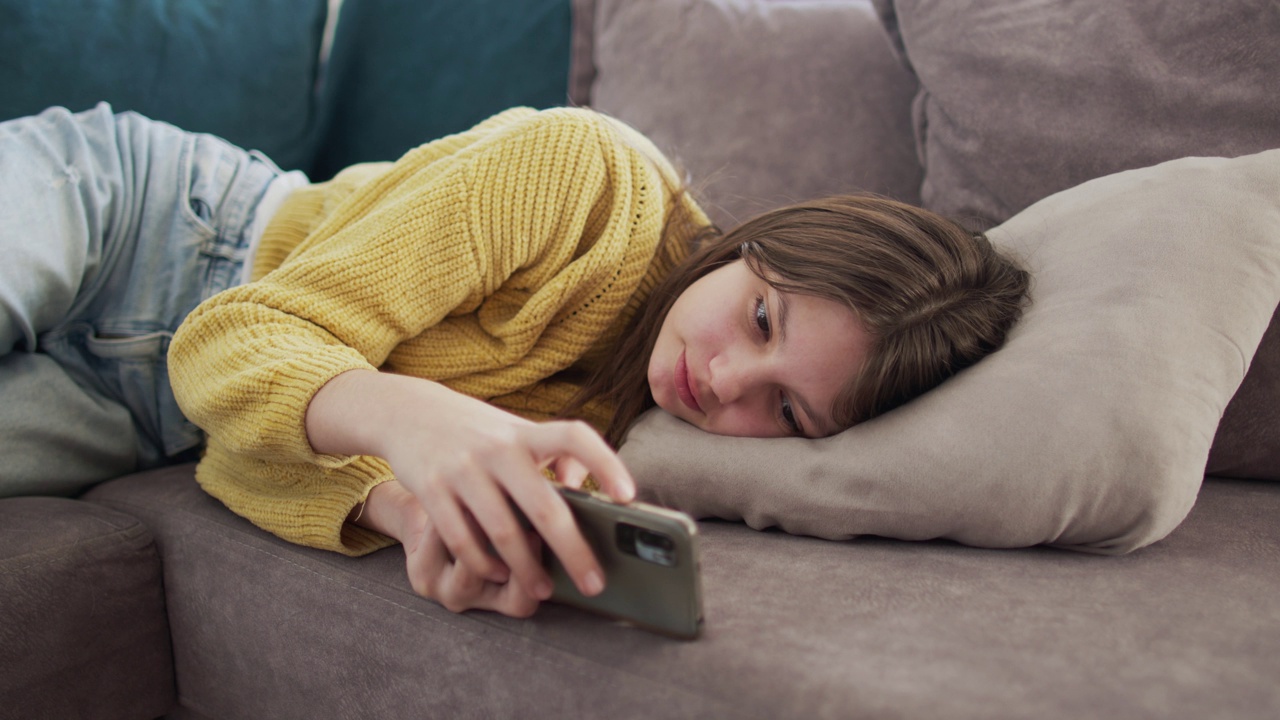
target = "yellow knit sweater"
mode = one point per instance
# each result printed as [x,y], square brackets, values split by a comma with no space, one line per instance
[488,261]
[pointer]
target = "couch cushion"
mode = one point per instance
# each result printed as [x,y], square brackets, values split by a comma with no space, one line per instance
[796,627]
[1020,100]
[243,70]
[402,74]
[83,631]
[1090,428]
[764,103]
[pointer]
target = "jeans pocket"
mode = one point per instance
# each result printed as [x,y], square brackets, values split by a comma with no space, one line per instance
[136,368]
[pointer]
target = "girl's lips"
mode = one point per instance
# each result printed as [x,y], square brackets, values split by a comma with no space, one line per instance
[683,388]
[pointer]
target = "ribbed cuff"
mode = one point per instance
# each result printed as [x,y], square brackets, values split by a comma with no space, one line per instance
[298,502]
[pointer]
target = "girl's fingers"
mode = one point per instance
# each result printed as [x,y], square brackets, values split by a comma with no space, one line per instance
[502,573]
[425,559]
[576,439]
[468,503]
[460,588]
[493,514]
[550,516]
[570,472]
[450,522]
[514,599]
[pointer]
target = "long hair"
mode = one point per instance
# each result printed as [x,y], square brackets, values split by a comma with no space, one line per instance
[934,296]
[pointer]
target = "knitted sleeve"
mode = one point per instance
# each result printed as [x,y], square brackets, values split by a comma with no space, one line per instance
[395,257]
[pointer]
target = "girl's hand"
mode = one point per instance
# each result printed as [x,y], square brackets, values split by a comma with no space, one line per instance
[393,510]
[464,461]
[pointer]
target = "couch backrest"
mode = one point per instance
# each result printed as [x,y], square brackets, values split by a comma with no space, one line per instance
[400,72]
[242,70]
[763,102]
[403,72]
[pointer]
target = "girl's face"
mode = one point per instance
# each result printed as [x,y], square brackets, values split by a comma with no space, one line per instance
[735,356]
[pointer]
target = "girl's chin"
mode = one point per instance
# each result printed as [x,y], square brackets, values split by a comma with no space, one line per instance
[668,401]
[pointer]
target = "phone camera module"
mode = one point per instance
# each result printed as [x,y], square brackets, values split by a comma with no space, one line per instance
[647,545]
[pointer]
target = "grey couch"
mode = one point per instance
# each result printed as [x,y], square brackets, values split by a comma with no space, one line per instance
[147,598]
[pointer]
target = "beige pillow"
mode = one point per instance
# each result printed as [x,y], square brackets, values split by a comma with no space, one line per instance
[764,103]
[1090,429]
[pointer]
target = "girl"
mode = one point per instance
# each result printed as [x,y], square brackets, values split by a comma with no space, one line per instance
[389,355]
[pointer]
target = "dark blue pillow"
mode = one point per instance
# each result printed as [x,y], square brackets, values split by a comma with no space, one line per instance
[243,70]
[404,72]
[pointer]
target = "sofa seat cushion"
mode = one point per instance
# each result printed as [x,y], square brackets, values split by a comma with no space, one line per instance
[83,630]
[795,627]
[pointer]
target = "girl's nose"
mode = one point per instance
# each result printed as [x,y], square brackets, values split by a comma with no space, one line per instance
[732,378]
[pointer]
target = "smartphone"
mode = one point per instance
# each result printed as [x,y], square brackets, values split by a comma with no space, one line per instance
[650,559]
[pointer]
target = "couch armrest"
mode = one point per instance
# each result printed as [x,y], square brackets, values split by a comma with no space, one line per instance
[83,627]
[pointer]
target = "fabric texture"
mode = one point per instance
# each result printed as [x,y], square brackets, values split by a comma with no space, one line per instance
[488,261]
[114,228]
[702,80]
[795,628]
[1090,429]
[243,71]
[83,628]
[1247,443]
[1020,100]
[402,74]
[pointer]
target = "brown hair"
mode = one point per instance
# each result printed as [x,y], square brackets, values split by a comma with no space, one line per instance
[934,296]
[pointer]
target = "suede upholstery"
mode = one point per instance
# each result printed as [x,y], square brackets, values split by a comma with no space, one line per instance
[1020,100]
[795,627]
[1247,442]
[83,630]
[701,79]
[242,625]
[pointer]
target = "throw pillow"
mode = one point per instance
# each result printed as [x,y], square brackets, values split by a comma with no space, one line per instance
[245,71]
[1089,429]
[402,73]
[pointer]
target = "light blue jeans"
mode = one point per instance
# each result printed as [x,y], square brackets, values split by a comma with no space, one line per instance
[112,229]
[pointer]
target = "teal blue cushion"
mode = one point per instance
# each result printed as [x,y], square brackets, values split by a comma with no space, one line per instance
[403,73]
[242,70]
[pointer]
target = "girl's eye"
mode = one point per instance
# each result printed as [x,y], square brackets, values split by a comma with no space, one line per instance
[789,416]
[762,317]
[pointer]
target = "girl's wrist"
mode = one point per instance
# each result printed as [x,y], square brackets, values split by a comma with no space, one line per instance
[387,509]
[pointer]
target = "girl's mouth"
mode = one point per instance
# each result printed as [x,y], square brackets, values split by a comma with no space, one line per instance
[683,388]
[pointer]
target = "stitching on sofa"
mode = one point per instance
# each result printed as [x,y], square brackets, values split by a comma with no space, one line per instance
[57,554]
